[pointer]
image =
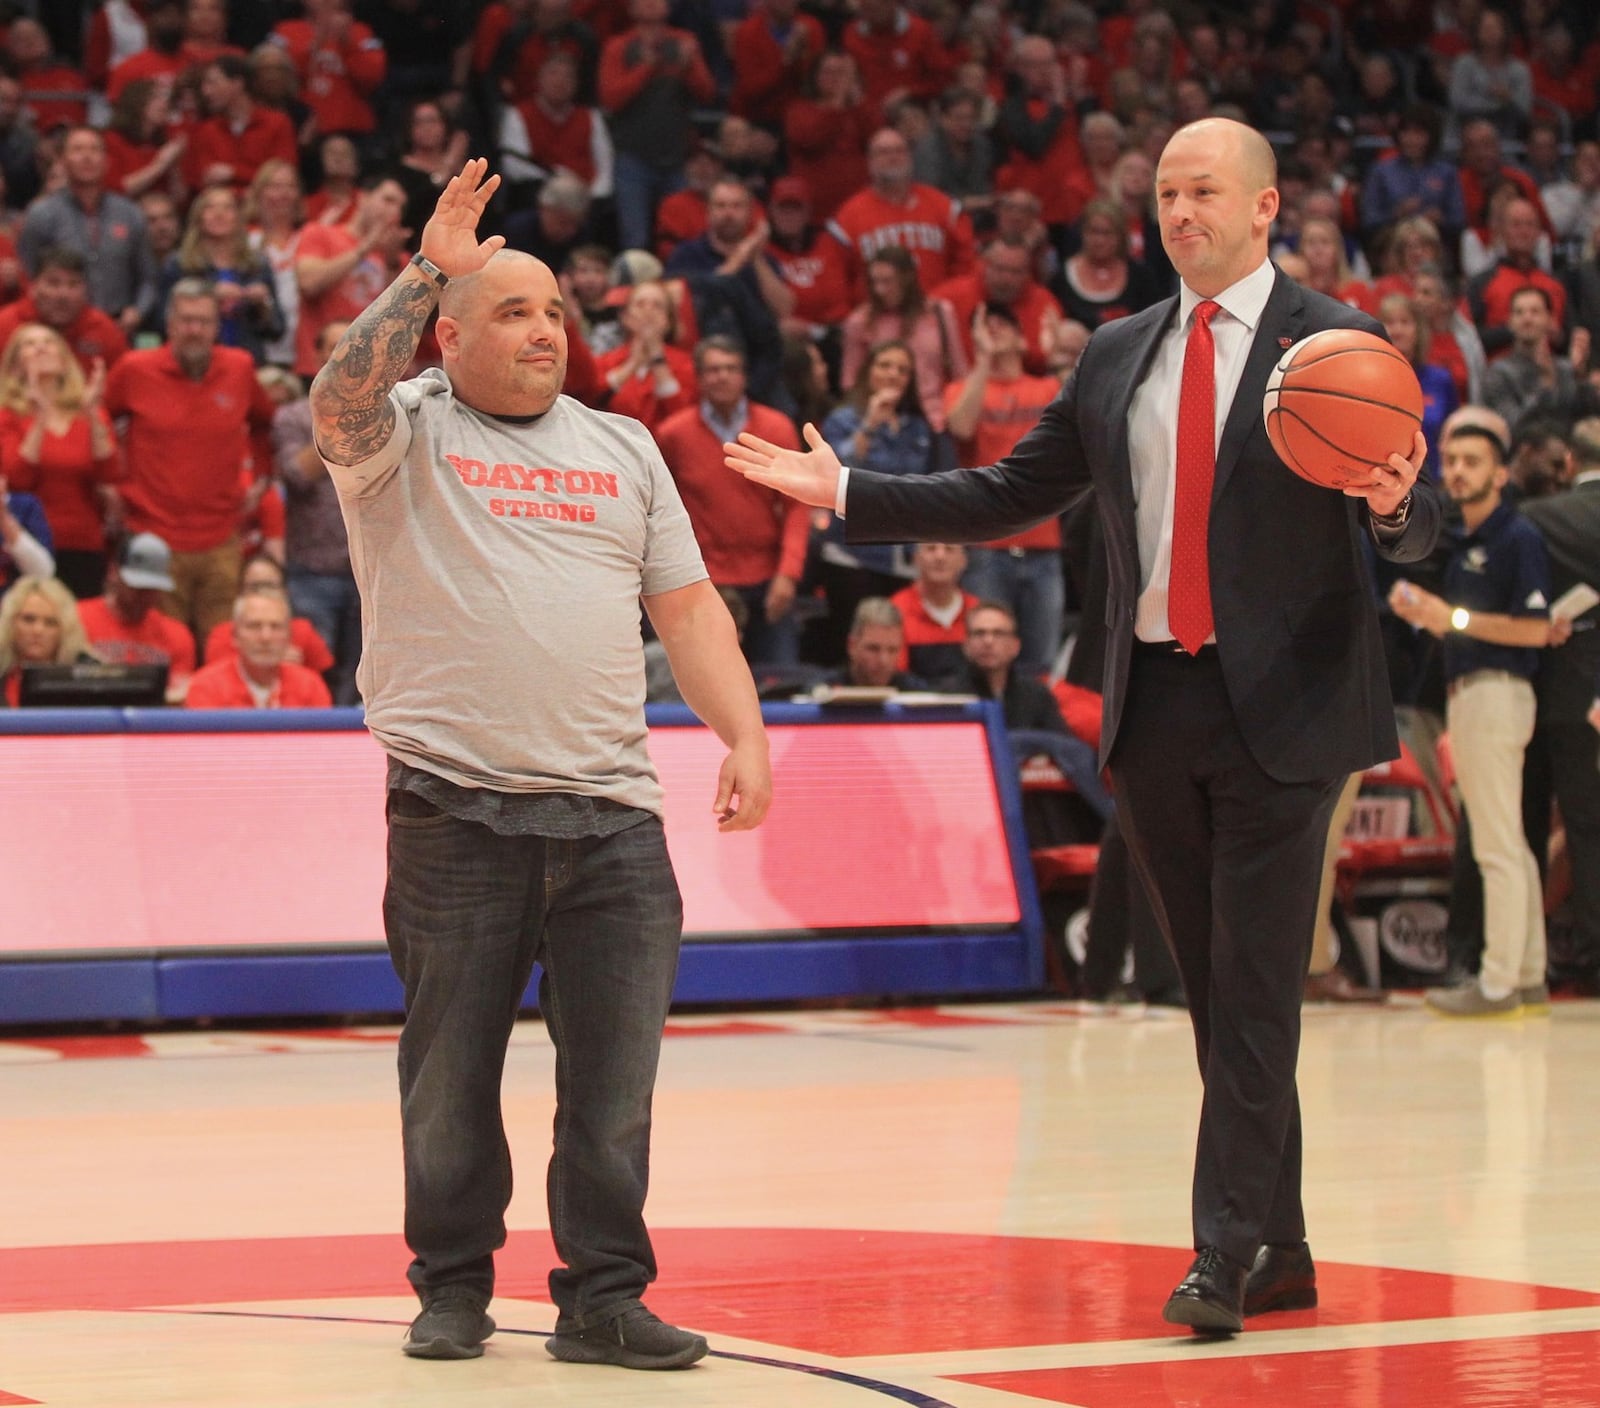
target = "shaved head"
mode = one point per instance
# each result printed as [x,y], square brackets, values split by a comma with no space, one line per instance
[1257,162]
[461,295]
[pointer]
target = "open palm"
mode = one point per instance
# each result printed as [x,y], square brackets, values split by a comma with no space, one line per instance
[810,476]
[450,238]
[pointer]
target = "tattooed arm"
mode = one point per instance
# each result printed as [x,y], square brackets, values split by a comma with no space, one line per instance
[351,414]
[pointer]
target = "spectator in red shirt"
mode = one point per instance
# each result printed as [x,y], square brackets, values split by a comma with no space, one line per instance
[549,131]
[775,47]
[53,91]
[826,132]
[1563,78]
[752,538]
[1039,124]
[810,261]
[339,166]
[512,41]
[933,611]
[1483,168]
[1489,294]
[898,53]
[342,268]
[189,406]
[59,298]
[895,210]
[340,62]
[263,572]
[1004,278]
[651,78]
[56,443]
[238,134]
[142,153]
[648,377]
[114,31]
[258,675]
[125,626]
[205,32]
[161,60]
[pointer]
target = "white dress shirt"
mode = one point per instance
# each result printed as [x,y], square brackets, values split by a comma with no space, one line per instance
[1153,428]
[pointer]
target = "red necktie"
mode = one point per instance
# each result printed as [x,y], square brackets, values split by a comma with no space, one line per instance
[1189,583]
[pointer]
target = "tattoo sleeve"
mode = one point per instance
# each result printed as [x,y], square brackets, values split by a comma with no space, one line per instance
[350,407]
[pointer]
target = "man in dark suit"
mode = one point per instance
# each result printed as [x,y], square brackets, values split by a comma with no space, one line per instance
[1570,523]
[1244,675]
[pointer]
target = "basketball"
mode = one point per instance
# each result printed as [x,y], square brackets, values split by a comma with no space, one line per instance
[1340,402]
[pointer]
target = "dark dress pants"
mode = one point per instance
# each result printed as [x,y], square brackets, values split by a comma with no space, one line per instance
[1231,859]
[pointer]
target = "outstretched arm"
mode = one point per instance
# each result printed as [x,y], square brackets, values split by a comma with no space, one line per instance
[350,408]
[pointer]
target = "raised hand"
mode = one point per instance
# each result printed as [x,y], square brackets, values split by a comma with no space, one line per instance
[812,477]
[450,238]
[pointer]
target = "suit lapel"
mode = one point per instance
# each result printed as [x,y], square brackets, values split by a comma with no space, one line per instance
[1282,318]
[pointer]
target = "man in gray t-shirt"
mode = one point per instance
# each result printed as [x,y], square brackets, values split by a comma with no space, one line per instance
[503,537]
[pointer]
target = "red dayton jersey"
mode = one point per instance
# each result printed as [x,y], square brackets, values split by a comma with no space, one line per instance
[818,277]
[928,223]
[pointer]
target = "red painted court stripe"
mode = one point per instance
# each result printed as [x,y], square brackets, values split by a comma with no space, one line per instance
[15,1398]
[1523,1371]
[833,1292]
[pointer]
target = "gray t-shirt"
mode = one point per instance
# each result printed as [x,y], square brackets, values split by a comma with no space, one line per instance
[501,564]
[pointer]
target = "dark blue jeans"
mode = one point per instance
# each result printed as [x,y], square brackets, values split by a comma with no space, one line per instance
[468,914]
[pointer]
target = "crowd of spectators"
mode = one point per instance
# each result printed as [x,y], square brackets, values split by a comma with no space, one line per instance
[899,220]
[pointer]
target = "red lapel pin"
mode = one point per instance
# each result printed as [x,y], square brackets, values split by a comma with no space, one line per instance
[1285,342]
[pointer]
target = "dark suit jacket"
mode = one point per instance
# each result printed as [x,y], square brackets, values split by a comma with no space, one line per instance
[1570,523]
[1296,626]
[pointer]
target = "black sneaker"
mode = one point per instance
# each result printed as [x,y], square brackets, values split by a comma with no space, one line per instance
[635,1339]
[450,1327]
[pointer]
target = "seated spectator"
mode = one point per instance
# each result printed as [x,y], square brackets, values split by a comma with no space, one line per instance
[880,426]
[1414,180]
[1033,718]
[956,155]
[896,309]
[647,377]
[1414,244]
[125,625]
[586,286]
[1573,203]
[810,262]
[216,248]
[59,298]
[163,225]
[1403,322]
[753,539]
[558,223]
[39,625]
[897,52]
[56,443]
[749,153]
[895,211]
[1482,169]
[237,134]
[1322,244]
[1099,284]
[1489,294]
[682,214]
[933,612]
[826,133]
[340,63]
[808,382]
[262,571]
[1490,82]
[258,675]
[53,91]
[25,539]
[1530,380]
[873,647]
[1564,77]
[1018,220]
[550,132]
[143,153]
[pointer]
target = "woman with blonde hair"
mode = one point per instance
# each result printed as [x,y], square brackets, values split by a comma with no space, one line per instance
[216,246]
[39,625]
[56,443]
[1322,245]
[897,310]
[275,213]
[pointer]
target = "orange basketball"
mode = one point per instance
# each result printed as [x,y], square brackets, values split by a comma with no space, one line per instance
[1340,402]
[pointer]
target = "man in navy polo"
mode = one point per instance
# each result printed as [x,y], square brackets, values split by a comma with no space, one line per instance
[1494,619]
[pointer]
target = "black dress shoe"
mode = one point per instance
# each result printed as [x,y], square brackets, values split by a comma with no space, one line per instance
[1283,1278]
[1210,1299]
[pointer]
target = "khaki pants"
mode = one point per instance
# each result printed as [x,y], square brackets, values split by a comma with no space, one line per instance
[1490,716]
[1324,951]
[204,585]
